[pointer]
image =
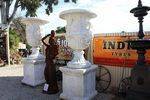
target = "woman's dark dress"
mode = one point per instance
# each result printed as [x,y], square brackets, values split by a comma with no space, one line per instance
[50,69]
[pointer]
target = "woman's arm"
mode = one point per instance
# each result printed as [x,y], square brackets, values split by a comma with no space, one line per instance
[44,39]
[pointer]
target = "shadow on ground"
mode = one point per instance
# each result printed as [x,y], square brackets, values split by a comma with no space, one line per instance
[12,89]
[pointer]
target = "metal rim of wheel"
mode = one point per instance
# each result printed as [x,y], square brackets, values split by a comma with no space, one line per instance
[124,86]
[103,79]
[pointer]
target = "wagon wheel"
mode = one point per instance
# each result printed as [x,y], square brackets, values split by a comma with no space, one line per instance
[124,86]
[103,79]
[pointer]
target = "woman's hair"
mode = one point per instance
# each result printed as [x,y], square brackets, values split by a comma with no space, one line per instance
[51,39]
[52,33]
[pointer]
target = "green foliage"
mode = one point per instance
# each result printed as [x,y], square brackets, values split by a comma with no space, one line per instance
[14,40]
[32,5]
[19,27]
[61,30]
[28,46]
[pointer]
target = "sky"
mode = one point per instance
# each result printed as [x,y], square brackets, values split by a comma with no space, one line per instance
[112,15]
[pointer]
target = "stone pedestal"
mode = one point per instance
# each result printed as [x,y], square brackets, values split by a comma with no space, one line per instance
[34,64]
[78,84]
[33,72]
[79,74]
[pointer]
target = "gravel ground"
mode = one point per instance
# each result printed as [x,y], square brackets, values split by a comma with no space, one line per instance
[12,89]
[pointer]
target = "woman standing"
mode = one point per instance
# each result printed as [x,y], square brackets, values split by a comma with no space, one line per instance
[51,50]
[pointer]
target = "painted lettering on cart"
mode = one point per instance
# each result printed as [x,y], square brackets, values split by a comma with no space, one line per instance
[116,45]
[120,54]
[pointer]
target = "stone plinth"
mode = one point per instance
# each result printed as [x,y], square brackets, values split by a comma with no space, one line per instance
[33,72]
[78,84]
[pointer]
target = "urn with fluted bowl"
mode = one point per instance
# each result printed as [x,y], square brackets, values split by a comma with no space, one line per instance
[79,74]
[34,64]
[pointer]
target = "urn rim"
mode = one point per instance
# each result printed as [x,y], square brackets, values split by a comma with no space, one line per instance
[32,20]
[71,11]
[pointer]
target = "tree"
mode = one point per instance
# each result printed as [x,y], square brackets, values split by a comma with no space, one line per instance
[19,27]
[61,30]
[29,5]
[14,40]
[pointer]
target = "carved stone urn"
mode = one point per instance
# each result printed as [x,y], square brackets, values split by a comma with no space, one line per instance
[34,64]
[33,35]
[79,74]
[78,35]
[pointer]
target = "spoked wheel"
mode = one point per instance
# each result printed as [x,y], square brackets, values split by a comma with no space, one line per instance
[103,79]
[124,86]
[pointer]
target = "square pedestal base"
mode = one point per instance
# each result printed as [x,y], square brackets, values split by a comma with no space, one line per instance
[78,84]
[33,72]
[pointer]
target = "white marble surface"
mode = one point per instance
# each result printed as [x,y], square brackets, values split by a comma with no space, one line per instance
[78,34]
[78,84]
[34,64]
[33,71]
[34,35]
[78,61]
[79,74]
